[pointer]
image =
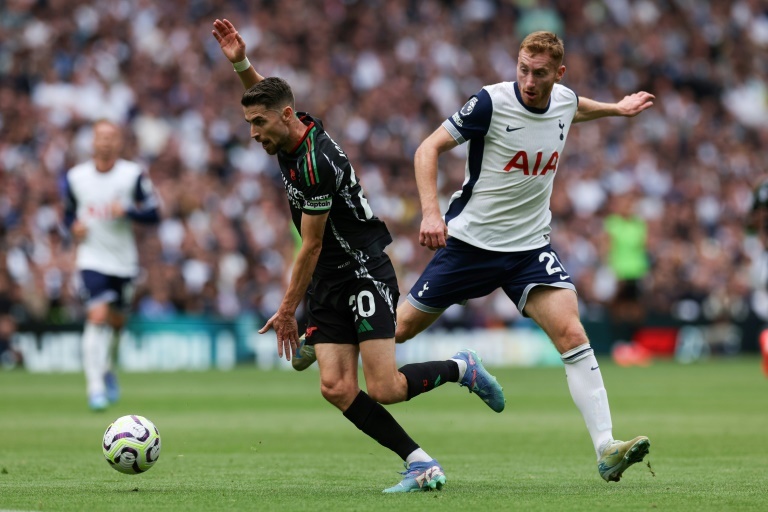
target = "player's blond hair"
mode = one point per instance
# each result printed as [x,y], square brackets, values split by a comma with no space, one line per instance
[544,42]
[107,121]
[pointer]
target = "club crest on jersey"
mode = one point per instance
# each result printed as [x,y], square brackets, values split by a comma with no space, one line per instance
[468,106]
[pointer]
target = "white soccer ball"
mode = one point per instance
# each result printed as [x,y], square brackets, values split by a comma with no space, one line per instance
[131,444]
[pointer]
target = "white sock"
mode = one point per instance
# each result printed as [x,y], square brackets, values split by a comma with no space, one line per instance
[462,367]
[588,393]
[95,352]
[418,455]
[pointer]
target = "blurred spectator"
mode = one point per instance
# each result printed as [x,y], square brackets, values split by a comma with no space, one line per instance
[625,240]
[156,304]
[8,299]
[381,75]
[757,224]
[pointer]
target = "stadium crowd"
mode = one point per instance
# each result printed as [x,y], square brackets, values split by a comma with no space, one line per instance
[381,74]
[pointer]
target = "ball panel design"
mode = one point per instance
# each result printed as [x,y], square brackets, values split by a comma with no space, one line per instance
[131,444]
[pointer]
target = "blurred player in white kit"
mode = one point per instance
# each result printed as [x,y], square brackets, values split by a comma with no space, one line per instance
[103,196]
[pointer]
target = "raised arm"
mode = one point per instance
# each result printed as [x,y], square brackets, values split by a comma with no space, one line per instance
[629,106]
[433,229]
[233,48]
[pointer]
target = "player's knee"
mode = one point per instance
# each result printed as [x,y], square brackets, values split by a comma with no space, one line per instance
[339,392]
[570,336]
[382,392]
[98,315]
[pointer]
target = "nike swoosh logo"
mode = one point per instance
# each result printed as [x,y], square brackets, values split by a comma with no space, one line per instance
[514,129]
[595,368]
[563,278]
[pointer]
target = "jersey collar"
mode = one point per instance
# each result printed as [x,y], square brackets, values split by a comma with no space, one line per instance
[532,110]
[310,124]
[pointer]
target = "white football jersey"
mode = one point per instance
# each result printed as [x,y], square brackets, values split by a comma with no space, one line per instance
[109,246]
[512,159]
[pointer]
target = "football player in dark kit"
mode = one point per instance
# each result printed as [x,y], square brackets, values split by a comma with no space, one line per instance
[349,280]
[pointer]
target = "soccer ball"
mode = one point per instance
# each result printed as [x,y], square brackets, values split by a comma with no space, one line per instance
[131,444]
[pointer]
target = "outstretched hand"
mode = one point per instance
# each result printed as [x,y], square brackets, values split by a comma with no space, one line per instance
[635,103]
[232,44]
[287,332]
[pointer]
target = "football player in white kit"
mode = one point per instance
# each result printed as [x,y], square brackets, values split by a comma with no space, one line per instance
[496,230]
[102,197]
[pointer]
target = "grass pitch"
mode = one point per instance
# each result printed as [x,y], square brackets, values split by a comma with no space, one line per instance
[251,440]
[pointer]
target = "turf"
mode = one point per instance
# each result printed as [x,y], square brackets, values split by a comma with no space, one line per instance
[251,440]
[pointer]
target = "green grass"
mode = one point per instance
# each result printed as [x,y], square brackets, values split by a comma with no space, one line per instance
[250,440]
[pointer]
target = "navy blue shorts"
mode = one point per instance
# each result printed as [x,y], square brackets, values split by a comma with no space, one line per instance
[461,271]
[99,288]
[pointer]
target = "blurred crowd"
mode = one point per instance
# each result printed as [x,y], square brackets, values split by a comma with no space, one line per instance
[382,75]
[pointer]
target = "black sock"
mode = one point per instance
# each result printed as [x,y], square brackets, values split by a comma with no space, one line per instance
[423,377]
[374,420]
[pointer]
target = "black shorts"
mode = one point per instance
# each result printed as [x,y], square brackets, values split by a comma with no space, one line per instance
[354,309]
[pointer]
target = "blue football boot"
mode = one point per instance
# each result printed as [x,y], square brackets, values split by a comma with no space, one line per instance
[480,382]
[420,476]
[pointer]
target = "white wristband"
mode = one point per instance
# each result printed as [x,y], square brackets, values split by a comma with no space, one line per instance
[242,65]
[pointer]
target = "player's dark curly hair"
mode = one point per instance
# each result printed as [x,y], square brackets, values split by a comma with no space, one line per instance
[271,93]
